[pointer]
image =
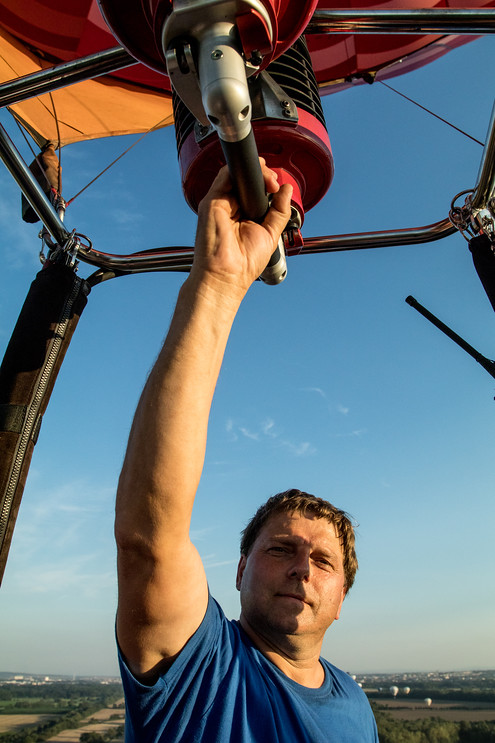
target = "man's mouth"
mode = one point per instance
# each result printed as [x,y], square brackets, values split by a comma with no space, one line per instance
[295,596]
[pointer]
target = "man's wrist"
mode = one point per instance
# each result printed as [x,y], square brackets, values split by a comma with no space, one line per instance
[221,294]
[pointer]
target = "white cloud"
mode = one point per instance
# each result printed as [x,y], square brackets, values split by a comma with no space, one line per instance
[331,407]
[64,537]
[267,431]
[88,575]
[318,391]
[198,534]
[126,217]
[229,427]
[20,240]
[267,427]
[219,563]
[249,434]
[357,433]
[301,449]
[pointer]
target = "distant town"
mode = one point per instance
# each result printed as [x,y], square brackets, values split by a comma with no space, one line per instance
[8,677]
[409,680]
[405,682]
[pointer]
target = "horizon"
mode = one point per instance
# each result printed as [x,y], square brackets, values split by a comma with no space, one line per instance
[76,676]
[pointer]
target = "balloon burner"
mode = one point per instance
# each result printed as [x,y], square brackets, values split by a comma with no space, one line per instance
[289,127]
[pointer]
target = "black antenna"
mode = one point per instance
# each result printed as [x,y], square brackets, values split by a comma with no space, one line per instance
[488,365]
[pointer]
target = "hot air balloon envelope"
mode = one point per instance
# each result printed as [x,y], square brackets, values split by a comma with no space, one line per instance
[37,34]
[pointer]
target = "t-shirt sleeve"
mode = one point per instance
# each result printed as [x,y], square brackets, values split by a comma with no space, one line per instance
[150,708]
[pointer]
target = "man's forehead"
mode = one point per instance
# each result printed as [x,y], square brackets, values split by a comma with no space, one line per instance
[288,523]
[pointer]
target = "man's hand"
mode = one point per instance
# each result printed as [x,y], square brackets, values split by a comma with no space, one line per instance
[231,252]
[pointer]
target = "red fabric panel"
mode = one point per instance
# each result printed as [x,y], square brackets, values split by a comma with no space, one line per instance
[67,30]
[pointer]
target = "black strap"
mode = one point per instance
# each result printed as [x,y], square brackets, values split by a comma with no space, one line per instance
[12,420]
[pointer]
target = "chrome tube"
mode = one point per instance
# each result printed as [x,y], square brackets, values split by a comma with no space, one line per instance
[385,239]
[68,73]
[31,188]
[484,191]
[160,259]
[434,21]
[181,258]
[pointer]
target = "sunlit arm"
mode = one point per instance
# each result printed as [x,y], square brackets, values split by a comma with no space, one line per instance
[162,585]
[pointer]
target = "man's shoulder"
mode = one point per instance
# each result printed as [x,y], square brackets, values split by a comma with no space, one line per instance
[337,672]
[342,679]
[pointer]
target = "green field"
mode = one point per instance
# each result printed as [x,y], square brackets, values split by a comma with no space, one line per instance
[38,712]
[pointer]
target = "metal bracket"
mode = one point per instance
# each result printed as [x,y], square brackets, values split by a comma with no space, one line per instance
[206,65]
[268,99]
[471,221]
[181,67]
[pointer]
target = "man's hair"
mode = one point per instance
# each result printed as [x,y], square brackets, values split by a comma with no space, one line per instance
[296,501]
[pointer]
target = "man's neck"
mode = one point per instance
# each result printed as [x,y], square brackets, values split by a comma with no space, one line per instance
[290,655]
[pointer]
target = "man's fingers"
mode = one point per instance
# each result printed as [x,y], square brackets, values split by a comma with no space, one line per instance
[221,192]
[279,212]
[222,185]
[270,177]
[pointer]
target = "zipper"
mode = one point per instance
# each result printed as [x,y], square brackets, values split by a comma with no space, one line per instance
[33,408]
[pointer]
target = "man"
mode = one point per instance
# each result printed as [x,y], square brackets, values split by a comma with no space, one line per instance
[188,673]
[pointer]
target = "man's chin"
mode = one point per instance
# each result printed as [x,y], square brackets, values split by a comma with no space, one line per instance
[287,626]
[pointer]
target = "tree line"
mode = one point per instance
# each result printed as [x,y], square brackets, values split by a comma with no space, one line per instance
[432,730]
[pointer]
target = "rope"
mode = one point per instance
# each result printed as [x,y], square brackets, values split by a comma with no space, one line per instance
[21,129]
[35,156]
[59,147]
[153,128]
[431,112]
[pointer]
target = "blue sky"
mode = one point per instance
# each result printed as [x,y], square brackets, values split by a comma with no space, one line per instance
[331,383]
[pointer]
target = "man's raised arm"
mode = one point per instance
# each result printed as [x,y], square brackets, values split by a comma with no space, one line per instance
[162,585]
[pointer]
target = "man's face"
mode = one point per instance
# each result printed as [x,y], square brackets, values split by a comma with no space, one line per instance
[292,581]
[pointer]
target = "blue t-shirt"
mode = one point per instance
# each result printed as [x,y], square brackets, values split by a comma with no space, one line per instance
[221,689]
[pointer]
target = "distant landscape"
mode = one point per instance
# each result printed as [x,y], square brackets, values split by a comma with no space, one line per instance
[60,709]
[434,707]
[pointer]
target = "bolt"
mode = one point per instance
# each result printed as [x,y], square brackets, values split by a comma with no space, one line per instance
[285,104]
[256,58]
[217,54]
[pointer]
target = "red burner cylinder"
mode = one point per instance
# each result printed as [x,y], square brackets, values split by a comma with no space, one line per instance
[291,135]
[300,153]
[138,26]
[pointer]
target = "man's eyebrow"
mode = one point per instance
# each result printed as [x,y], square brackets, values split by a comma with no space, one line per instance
[291,538]
[285,538]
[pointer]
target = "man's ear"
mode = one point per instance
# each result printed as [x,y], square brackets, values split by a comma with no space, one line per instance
[344,592]
[240,571]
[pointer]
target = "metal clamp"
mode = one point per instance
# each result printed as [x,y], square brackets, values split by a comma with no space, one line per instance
[205,62]
[471,221]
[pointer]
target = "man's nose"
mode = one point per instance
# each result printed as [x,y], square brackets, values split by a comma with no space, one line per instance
[300,566]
